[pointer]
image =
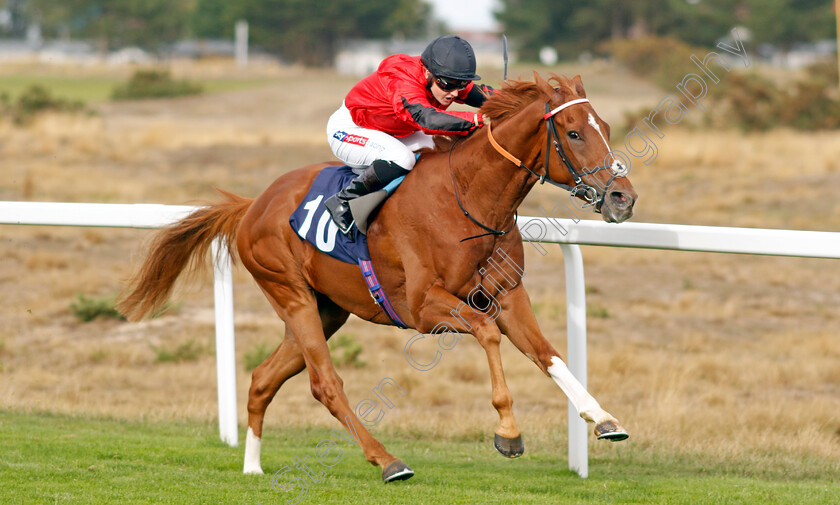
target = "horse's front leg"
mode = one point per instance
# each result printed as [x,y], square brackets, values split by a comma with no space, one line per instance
[517,321]
[441,312]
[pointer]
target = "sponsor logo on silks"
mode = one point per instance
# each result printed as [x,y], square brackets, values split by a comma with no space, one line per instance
[350,139]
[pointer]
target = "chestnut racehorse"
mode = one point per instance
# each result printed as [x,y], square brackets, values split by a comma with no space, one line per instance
[430,245]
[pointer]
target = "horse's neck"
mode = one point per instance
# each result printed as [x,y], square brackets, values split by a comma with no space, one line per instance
[491,186]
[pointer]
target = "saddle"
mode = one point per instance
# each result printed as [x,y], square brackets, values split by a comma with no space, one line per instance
[312,222]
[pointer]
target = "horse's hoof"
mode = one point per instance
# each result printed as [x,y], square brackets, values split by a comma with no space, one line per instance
[396,470]
[610,430]
[509,447]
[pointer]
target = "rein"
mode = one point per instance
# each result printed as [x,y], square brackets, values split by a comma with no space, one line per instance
[590,194]
[490,231]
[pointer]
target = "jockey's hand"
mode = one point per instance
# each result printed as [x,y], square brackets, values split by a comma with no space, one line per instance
[478,120]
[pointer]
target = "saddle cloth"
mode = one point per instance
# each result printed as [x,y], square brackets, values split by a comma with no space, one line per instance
[313,223]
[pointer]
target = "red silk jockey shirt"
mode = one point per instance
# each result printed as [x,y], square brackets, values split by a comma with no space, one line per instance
[379,101]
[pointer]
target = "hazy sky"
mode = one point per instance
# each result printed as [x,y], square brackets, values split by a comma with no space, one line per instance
[465,14]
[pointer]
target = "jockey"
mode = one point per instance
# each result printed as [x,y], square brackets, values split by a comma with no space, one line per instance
[394,112]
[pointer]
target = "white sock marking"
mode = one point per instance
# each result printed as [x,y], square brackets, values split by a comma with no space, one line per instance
[586,405]
[252,453]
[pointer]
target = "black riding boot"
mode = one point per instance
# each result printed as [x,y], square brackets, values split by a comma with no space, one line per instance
[374,178]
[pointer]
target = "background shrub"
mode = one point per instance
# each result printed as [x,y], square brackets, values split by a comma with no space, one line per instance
[34,100]
[813,104]
[661,60]
[154,84]
[345,351]
[755,103]
[87,309]
[256,355]
[185,351]
[748,101]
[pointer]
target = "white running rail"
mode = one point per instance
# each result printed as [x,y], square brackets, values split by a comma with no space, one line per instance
[153,216]
[566,232]
[569,233]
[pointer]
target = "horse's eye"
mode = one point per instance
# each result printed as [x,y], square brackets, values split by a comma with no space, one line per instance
[574,135]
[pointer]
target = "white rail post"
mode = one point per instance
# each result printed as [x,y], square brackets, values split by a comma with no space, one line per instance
[241,43]
[225,345]
[576,353]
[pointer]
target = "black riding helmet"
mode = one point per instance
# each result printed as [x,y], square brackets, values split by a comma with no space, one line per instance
[450,56]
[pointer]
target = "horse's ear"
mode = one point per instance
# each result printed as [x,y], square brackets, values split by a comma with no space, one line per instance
[579,86]
[542,84]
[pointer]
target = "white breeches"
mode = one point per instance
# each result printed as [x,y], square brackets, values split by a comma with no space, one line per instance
[359,147]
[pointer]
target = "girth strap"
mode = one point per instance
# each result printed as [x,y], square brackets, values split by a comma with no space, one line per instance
[378,293]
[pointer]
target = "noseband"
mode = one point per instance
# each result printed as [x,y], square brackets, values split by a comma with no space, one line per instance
[589,193]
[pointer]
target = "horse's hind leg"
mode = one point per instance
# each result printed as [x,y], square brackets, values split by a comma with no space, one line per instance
[302,320]
[284,363]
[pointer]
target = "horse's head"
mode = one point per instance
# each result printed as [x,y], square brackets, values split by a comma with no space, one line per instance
[583,161]
[575,154]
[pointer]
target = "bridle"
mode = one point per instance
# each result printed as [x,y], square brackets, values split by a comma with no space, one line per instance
[589,193]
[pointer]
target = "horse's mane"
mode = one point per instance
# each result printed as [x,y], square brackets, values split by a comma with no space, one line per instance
[514,95]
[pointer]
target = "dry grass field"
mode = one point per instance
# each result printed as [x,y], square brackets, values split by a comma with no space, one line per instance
[724,356]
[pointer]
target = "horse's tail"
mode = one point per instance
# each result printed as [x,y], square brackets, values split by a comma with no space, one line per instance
[174,249]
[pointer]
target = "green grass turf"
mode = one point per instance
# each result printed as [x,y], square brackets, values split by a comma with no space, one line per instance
[50,459]
[91,89]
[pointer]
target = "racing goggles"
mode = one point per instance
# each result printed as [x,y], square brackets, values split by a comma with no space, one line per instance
[449,84]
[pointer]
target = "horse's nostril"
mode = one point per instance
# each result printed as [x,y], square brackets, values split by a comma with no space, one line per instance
[620,199]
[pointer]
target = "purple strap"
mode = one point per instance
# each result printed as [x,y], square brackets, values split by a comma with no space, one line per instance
[378,293]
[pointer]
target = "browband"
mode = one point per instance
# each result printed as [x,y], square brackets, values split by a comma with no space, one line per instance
[563,106]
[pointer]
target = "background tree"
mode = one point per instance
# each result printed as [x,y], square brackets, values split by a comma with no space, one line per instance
[115,23]
[15,24]
[214,19]
[786,22]
[296,31]
[572,27]
[536,23]
[312,32]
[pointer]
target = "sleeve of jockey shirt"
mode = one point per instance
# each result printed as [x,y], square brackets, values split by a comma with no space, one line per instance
[435,122]
[412,105]
[477,95]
